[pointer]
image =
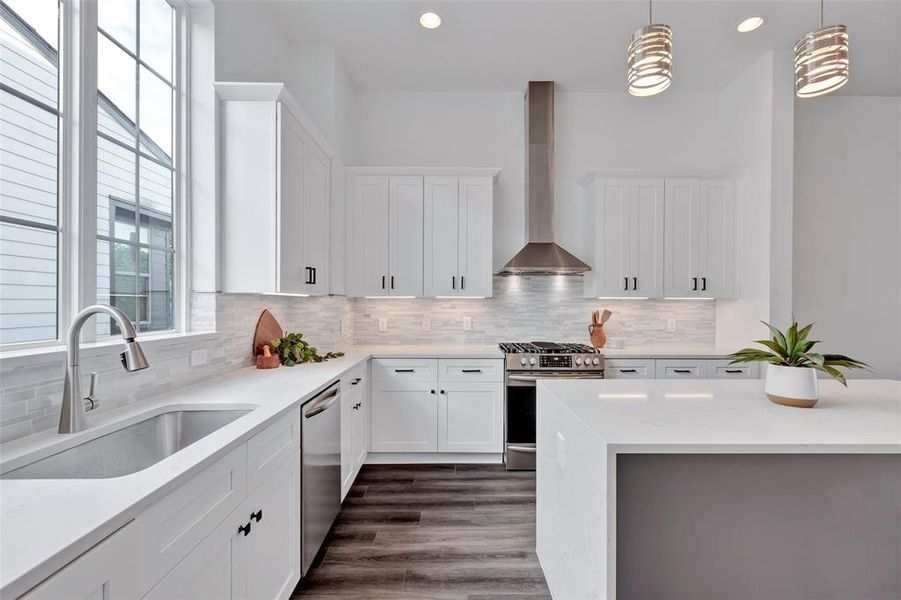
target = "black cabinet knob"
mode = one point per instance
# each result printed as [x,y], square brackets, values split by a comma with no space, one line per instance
[257,516]
[245,529]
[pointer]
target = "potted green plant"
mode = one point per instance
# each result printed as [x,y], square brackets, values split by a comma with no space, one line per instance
[791,375]
[293,349]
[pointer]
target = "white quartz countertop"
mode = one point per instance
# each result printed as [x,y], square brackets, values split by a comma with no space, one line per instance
[47,523]
[732,416]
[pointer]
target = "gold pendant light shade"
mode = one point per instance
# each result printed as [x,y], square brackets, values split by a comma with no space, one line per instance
[821,61]
[650,60]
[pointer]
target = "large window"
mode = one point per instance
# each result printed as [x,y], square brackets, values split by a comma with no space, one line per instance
[29,167]
[135,169]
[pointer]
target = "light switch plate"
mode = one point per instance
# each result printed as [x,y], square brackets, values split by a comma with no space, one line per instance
[199,357]
[383,324]
[426,324]
[467,323]
[561,450]
[671,325]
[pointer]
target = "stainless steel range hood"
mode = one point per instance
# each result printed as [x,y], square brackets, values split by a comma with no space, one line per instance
[541,255]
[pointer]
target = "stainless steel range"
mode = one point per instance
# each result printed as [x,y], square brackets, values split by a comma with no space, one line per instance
[526,363]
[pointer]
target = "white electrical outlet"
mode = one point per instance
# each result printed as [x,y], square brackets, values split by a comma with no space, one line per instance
[671,325]
[199,357]
[467,323]
[561,450]
[383,324]
[426,324]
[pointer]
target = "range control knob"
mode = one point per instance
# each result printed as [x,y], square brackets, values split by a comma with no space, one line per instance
[579,360]
[531,361]
[522,360]
[595,361]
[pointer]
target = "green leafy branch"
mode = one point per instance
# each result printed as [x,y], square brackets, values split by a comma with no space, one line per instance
[793,349]
[293,349]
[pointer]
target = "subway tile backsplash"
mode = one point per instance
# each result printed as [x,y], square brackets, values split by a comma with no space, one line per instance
[523,308]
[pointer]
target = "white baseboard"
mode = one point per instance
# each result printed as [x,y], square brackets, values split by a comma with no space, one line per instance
[425,458]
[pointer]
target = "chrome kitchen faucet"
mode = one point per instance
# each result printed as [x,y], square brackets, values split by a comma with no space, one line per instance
[72,413]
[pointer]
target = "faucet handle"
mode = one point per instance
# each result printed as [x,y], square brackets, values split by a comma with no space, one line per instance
[91,399]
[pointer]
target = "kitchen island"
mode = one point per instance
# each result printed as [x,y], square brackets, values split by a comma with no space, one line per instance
[706,489]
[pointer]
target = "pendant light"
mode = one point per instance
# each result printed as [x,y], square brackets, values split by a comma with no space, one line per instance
[650,58]
[821,60]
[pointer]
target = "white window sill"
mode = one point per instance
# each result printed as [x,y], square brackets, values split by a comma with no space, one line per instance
[146,340]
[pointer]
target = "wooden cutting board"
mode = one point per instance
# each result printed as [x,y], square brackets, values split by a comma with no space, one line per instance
[267,330]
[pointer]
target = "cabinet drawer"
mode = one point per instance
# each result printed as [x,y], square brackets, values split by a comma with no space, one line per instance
[397,370]
[171,528]
[270,447]
[681,369]
[459,370]
[629,368]
[721,369]
[354,380]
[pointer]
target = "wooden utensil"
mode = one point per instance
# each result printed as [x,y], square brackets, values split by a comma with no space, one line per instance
[596,332]
[267,360]
[267,329]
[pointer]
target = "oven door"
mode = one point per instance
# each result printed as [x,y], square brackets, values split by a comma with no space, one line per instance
[520,437]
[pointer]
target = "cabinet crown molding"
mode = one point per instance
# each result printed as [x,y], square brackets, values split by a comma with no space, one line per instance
[591,174]
[493,172]
[266,91]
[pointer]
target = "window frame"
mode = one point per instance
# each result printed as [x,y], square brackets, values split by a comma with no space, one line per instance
[77,172]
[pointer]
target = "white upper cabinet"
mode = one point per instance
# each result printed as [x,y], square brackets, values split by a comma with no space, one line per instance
[458,236]
[419,234]
[700,238]
[275,175]
[628,230]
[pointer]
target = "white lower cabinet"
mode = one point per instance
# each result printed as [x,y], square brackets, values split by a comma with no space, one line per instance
[354,426]
[681,369]
[471,417]
[108,571]
[677,368]
[447,405]
[629,368]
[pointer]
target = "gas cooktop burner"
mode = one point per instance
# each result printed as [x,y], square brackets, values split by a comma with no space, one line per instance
[546,348]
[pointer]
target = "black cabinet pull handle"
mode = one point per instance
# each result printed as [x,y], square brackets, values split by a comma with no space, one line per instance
[431,391]
[392,282]
[472,370]
[634,283]
[356,381]
[462,282]
[443,392]
[626,283]
[403,370]
[453,282]
[356,407]
[681,370]
[694,284]
[383,282]
[735,371]
[314,275]
[628,371]
[703,284]
[245,529]
[257,516]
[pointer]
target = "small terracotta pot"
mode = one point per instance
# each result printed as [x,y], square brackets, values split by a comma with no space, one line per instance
[791,386]
[597,335]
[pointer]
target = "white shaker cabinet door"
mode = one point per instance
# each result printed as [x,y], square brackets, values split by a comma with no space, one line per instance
[441,252]
[315,243]
[646,238]
[406,254]
[475,233]
[682,272]
[471,417]
[404,417]
[108,571]
[292,156]
[717,239]
[368,236]
[611,224]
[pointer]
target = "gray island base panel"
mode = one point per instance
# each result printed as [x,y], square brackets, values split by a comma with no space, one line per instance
[752,526]
[705,489]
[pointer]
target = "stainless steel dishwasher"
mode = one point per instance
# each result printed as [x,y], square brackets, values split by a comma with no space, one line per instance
[321,475]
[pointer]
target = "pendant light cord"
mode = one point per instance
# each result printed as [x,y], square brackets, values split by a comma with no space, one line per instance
[821,13]
[651,12]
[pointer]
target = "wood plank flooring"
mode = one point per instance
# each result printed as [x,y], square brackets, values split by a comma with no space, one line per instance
[442,532]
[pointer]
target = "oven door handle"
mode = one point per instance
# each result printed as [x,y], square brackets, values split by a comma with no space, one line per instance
[534,378]
[529,449]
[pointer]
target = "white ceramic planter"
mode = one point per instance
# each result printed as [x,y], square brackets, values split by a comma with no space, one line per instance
[791,386]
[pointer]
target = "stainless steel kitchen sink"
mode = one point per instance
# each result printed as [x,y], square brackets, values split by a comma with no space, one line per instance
[130,449]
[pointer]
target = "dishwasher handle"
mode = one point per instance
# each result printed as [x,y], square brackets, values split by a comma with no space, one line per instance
[322,403]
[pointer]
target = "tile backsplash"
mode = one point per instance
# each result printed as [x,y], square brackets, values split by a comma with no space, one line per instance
[523,308]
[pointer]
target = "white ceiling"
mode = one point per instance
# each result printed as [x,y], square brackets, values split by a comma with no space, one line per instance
[501,44]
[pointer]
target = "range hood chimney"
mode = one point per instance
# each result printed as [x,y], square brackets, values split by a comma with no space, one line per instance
[541,255]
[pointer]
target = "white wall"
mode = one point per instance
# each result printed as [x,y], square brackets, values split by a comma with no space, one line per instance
[847,254]
[249,45]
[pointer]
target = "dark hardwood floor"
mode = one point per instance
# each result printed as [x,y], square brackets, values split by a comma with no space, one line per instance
[443,532]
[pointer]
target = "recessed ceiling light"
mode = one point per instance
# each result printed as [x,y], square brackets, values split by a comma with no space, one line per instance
[750,24]
[430,20]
